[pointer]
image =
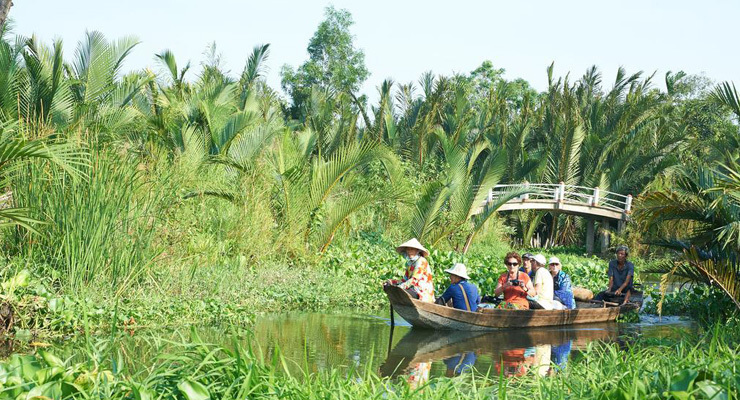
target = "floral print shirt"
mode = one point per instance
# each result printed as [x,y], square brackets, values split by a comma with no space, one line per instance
[419,276]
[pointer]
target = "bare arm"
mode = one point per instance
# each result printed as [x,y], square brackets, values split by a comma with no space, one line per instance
[624,285]
[499,289]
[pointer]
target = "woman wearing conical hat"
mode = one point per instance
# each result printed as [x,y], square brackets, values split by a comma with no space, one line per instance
[418,277]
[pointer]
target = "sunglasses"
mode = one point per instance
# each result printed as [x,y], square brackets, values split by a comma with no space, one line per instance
[514,264]
[554,264]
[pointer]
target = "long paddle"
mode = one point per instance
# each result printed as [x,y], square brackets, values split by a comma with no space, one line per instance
[608,303]
[390,340]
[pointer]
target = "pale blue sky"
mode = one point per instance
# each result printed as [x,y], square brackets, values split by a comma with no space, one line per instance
[402,39]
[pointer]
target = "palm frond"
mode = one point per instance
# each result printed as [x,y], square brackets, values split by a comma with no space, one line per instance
[428,209]
[18,217]
[726,95]
[326,174]
[68,156]
[722,272]
[339,211]
[246,147]
[224,194]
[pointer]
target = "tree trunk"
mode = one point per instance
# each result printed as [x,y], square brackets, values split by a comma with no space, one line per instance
[554,230]
[590,233]
[4,10]
[604,235]
[468,242]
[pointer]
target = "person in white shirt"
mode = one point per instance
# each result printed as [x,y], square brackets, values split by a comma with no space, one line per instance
[543,284]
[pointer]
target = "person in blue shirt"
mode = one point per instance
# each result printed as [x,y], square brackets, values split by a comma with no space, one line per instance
[464,294]
[562,284]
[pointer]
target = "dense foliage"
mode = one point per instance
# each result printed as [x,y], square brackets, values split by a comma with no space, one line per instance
[177,197]
[201,184]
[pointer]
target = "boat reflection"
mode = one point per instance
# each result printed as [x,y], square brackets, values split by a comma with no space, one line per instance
[511,352]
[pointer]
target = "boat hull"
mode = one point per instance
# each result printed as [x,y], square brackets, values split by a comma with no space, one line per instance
[434,316]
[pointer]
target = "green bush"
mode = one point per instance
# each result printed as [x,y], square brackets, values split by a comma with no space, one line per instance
[705,304]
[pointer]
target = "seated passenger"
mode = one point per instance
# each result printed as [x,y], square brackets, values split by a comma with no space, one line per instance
[527,261]
[543,285]
[417,280]
[514,284]
[464,294]
[563,288]
[621,272]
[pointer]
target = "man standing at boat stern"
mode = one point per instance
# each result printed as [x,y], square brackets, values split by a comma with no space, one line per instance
[464,294]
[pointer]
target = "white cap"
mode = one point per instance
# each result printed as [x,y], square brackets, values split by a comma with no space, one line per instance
[554,260]
[459,270]
[540,259]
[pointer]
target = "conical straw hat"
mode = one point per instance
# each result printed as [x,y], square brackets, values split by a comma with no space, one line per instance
[414,244]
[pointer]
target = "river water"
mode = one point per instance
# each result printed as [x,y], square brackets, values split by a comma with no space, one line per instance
[352,343]
[316,342]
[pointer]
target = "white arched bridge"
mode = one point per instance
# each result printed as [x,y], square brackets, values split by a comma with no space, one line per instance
[591,203]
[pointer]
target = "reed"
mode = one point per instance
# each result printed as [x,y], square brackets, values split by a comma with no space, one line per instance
[97,230]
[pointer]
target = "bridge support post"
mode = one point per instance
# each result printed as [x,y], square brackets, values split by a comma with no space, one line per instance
[604,236]
[590,236]
[621,225]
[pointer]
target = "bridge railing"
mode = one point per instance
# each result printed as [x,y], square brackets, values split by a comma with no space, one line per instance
[567,193]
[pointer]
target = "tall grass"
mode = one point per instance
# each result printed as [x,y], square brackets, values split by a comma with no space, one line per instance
[99,229]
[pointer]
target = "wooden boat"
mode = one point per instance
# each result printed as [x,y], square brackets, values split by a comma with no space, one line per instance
[434,316]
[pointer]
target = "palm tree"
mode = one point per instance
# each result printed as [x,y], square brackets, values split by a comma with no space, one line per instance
[93,82]
[704,204]
[312,197]
[457,202]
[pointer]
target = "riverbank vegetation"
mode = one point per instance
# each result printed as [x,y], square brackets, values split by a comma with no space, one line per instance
[189,186]
[178,195]
[690,367]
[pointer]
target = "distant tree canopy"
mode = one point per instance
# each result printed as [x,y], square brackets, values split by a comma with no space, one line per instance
[334,63]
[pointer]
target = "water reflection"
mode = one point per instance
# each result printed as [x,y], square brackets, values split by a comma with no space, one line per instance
[460,363]
[511,352]
[314,342]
